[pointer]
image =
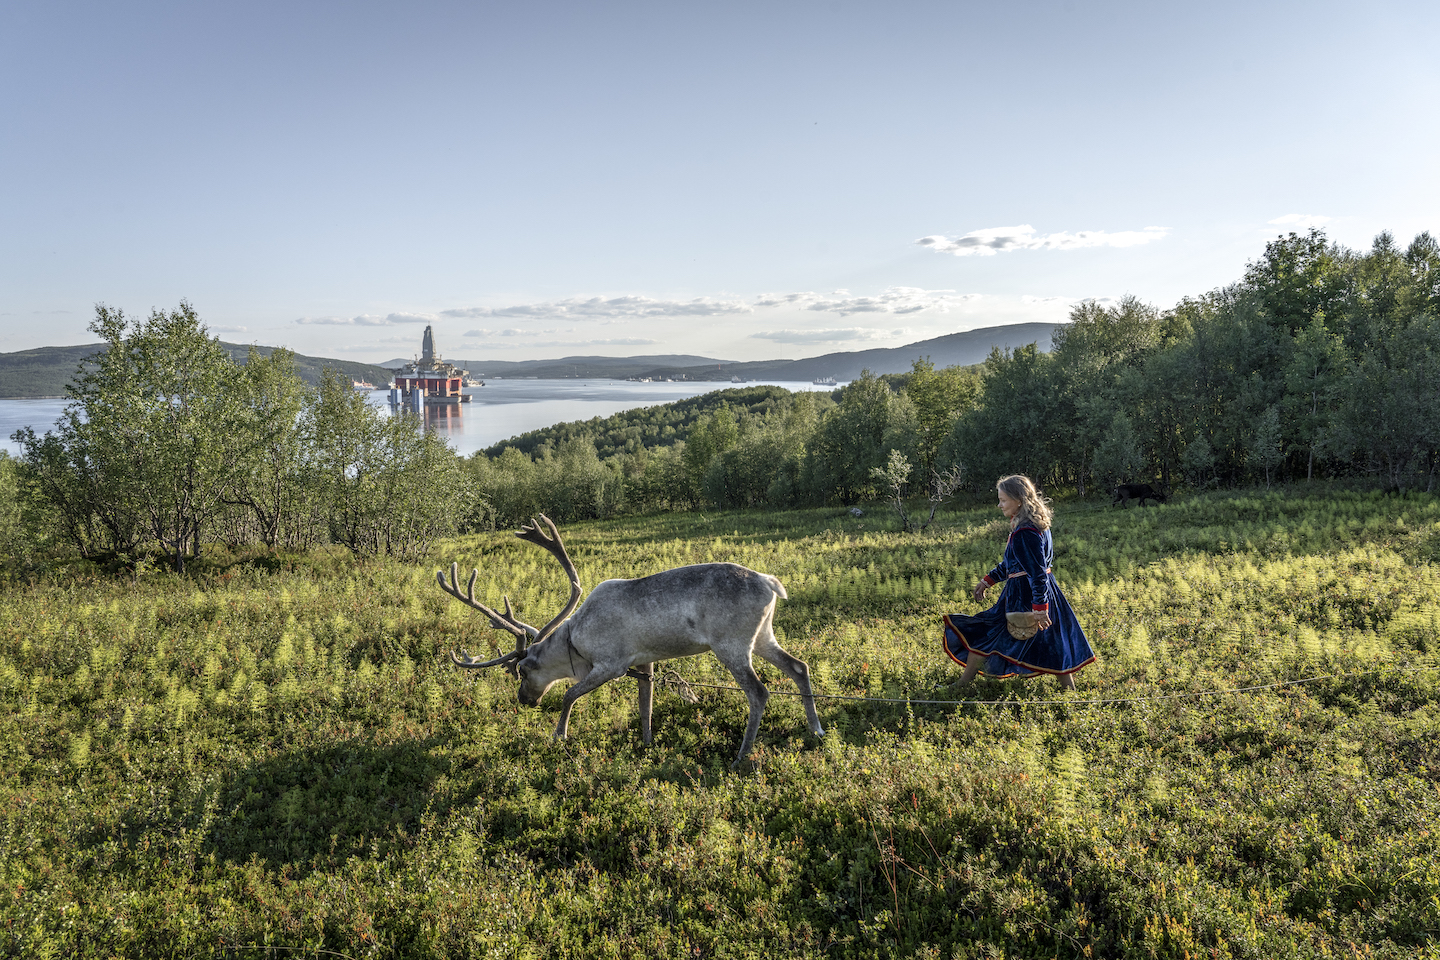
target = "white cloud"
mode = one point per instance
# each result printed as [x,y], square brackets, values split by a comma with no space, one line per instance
[517,332]
[1302,220]
[846,335]
[895,300]
[369,320]
[613,308]
[227,329]
[988,242]
[1053,303]
[411,345]
[524,327]
[532,344]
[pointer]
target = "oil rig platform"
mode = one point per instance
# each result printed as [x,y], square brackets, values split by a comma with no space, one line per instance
[429,381]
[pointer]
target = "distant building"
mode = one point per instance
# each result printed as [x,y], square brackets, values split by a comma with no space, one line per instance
[429,380]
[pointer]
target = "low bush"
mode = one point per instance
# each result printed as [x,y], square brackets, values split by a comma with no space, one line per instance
[278,755]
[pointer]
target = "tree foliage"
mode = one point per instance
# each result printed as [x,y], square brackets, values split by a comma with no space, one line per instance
[1318,362]
[167,443]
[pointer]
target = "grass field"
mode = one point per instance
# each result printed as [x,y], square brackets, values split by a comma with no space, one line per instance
[275,753]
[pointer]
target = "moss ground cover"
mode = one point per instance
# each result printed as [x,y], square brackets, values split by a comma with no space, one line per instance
[274,753]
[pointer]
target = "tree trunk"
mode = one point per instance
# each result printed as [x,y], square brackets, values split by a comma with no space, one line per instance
[1314,408]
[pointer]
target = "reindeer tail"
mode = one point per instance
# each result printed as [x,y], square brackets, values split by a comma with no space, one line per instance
[776,585]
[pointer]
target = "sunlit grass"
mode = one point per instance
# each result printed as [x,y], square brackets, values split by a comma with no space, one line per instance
[280,753]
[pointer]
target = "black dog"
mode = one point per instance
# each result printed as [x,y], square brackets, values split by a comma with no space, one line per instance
[1136,491]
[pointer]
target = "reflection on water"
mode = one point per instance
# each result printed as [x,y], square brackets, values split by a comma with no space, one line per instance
[497,411]
[446,419]
[443,416]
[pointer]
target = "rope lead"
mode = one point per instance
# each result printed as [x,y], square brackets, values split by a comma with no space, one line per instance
[672,680]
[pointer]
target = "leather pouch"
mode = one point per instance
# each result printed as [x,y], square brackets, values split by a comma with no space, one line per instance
[1021,625]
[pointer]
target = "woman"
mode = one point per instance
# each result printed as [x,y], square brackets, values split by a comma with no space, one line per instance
[984,641]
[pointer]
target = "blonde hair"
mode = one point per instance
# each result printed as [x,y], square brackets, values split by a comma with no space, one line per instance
[1034,506]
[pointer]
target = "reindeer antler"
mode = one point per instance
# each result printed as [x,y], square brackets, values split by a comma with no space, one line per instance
[531,533]
[523,632]
[505,621]
[501,621]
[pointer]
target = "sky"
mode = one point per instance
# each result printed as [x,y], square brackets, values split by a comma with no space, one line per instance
[742,181]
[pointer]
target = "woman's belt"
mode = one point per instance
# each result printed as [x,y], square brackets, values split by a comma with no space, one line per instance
[1022,573]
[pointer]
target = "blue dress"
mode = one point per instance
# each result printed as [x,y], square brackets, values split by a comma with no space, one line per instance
[1059,649]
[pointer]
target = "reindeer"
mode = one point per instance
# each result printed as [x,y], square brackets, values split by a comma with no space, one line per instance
[1126,492]
[627,625]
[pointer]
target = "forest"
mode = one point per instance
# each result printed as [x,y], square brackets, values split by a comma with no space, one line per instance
[1319,363]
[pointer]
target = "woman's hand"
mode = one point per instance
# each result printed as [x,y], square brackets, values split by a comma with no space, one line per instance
[980,589]
[1042,620]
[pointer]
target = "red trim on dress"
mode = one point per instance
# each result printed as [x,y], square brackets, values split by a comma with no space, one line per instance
[995,653]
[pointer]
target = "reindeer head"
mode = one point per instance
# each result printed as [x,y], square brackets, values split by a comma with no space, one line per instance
[529,642]
[546,664]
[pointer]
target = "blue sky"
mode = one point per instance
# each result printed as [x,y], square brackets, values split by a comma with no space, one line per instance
[745,181]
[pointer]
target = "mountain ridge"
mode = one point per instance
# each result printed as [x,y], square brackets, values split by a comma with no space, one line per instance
[965,348]
[46,371]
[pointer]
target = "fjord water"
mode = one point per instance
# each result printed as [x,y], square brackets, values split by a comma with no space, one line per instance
[497,411]
[17,413]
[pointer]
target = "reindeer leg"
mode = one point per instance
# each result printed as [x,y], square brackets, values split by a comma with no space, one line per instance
[755,692]
[593,680]
[645,675]
[798,671]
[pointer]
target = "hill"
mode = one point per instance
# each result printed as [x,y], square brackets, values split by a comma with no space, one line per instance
[46,371]
[654,426]
[951,350]
[955,349]
[565,367]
